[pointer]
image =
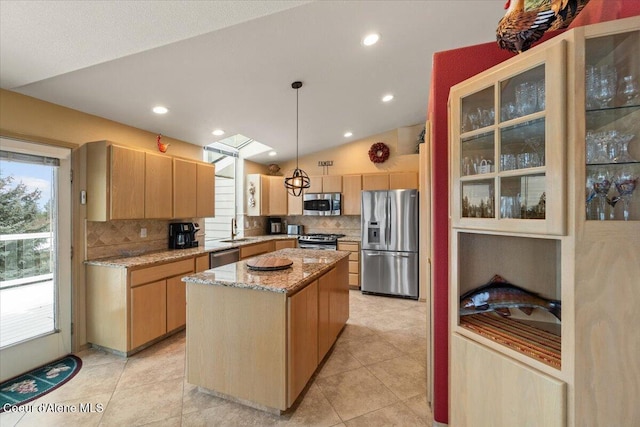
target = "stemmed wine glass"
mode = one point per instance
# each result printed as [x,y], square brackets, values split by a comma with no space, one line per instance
[625,183]
[601,181]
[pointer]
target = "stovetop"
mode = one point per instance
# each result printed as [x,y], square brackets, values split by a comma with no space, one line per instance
[320,237]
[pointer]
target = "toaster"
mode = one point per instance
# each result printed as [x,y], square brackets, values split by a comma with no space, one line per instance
[295,229]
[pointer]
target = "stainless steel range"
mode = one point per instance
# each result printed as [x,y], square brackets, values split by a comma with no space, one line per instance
[319,241]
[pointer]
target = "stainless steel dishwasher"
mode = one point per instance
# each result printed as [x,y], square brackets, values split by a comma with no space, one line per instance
[216,259]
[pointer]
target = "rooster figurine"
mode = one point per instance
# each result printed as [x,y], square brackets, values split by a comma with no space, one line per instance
[161,146]
[524,24]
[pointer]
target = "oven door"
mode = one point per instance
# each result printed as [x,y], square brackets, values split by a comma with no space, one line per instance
[325,246]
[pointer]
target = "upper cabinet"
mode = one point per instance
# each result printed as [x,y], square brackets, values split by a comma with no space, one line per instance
[193,189]
[205,190]
[126,183]
[115,182]
[508,128]
[325,184]
[266,195]
[403,180]
[612,126]
[158,188]
[377,181]
[184,188]
[352,189]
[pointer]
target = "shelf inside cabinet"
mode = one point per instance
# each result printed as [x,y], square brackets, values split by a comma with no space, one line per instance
[537,342]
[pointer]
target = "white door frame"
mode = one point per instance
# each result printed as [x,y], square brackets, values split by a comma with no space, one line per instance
[27,355]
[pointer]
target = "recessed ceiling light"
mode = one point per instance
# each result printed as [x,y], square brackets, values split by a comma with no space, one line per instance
[159,109]
[348,134]
[218,132]
[272,153]
[387,98]
[371,39]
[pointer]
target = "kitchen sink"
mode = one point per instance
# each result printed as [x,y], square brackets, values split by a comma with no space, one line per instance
[242,239]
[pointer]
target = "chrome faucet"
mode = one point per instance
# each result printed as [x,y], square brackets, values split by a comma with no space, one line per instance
[234,228]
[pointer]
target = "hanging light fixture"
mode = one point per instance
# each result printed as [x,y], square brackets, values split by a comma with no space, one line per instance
[299,180]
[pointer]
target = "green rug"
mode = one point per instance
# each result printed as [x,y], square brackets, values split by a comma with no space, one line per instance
[24,388]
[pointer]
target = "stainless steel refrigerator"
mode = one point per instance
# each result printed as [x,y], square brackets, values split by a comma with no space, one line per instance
[389,258]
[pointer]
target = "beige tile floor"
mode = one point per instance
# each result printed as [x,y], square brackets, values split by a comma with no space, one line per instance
[374,376]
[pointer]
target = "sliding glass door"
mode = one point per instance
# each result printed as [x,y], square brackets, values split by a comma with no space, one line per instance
[35,249]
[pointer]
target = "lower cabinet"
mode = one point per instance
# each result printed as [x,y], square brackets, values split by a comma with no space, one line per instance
[354,262]
[268,346]
[482,379]
[303,339]
[286,243]
[176,303]
[256,249]
[127,309]
[148,312]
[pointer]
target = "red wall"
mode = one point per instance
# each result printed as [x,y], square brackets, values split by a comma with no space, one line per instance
[449,68]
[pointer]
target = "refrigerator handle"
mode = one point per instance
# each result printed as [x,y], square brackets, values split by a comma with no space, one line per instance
[387,236]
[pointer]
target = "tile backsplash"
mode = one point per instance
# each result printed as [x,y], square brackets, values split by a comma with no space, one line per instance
[345,224]
[122,238]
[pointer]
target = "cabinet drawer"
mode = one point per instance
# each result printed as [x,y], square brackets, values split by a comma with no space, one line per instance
[353,247]
[257,249]
[146,275]
[354,266]
[354,279]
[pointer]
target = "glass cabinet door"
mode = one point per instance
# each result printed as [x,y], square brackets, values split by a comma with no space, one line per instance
[612,121]
[509,146]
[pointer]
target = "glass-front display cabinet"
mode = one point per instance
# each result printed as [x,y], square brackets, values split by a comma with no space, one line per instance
[544,167]
[612,127]
[508,142]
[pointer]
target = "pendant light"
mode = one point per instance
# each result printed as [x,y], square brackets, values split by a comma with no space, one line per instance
[299,180]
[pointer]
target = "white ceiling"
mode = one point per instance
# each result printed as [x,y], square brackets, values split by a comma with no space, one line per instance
[230,64]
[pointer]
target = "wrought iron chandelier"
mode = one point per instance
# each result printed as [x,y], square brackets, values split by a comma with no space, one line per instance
[299,180]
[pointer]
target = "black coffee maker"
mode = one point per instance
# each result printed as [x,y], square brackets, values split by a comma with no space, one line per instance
[182,235]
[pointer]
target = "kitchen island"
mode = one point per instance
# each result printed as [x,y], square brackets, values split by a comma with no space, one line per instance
[257,337]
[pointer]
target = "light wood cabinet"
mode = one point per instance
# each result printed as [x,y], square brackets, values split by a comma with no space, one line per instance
[286,243]
[125,183]
[269,195]
[378,181]
[202,263]
[325,184]
[130,308]
[354,262]
[403,180]
[540,226]
[294,205]
[158,186]
[256,249]
[333,306]
[205,190]
[184,188]
[115,182]
[315,184]
[303,339]
[351,196]
[266,349]
[277,196]
[148,312]
[176,303]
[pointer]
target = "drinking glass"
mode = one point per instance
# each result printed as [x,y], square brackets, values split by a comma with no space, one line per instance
[592,86]
[630,90]
[625,183]
[601,181]
[526,97]
[607,86]
[540,87]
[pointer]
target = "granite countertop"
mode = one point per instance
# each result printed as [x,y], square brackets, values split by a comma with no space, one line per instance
[354,239]
[151,258]
[308,265]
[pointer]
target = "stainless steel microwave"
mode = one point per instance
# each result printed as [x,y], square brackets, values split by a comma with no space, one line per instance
[321,204]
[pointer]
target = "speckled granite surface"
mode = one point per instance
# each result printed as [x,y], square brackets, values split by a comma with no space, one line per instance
[151,258]
[350,239]
[308,265]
